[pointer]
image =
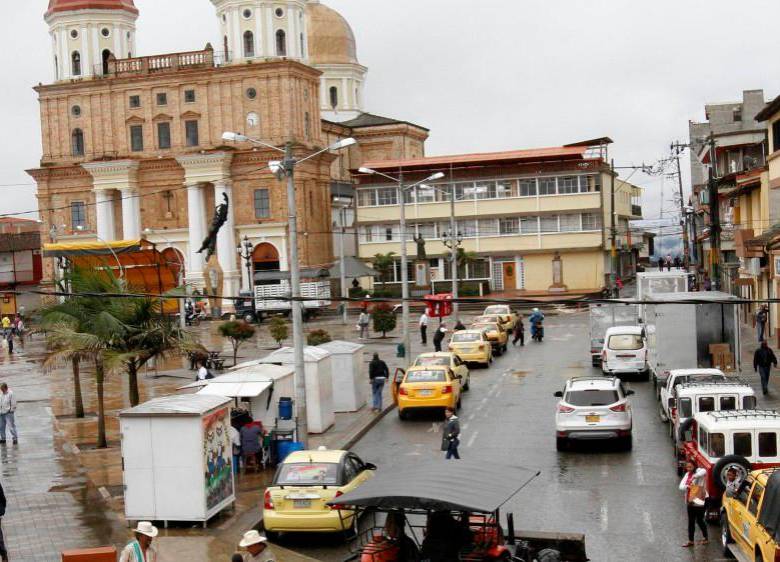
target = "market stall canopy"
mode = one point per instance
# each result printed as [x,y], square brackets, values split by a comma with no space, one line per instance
[144,268]
[285,355]
[240,384]
[472,486]
[177,405]
[353,267]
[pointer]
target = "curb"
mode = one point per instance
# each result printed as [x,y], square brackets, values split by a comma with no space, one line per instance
[359,434]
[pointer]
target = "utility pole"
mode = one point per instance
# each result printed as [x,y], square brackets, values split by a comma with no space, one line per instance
[613,228]
[453,240]
[342,265]
[677,149]
[712,187]
[404,272]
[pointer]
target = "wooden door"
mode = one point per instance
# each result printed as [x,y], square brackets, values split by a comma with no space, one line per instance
[510,276]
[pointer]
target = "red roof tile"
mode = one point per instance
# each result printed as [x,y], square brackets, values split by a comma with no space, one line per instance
[71,5]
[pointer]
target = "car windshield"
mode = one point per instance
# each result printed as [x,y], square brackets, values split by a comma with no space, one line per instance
[465,337]
[495,310]
[485,326]
[627,342]
[488,319]
[426,376]
[308,474]
[594,397]
[432,361]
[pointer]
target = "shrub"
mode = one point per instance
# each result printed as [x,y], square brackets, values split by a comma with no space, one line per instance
[384,319]
[318,337]
[279,330]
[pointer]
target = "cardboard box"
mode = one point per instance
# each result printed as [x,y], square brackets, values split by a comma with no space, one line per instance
[718,348]
[101,554]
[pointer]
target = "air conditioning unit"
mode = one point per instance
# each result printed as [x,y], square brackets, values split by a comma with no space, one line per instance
[751,266]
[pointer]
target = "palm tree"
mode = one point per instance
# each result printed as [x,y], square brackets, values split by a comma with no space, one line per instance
[463,258]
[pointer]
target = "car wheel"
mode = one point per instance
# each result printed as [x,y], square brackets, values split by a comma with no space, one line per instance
[401,414]
[725,535]
[662,413]
[505,348]
[352,532]
[561,443]
[737,462]
[272,536]
[628,442]
[458,405]
[646,375]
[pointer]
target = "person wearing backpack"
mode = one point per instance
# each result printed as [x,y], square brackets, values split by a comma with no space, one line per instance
[694,485]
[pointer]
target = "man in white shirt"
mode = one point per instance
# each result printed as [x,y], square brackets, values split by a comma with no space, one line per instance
[203,372]
[140,549]
[257,549]
[424,328]
[7,410]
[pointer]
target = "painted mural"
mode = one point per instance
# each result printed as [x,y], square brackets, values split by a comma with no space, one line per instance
[218,458]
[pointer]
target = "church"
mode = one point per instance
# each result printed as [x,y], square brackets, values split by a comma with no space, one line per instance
[132,144]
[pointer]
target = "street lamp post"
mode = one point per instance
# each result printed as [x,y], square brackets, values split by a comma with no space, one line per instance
[404,258]
[245,249]
[285,169]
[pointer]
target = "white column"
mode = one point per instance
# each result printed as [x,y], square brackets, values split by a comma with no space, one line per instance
[270,35]
[104,212]
[238,36]
[259,35]
[197,230]
[226,246]
[86,52]
[131,215]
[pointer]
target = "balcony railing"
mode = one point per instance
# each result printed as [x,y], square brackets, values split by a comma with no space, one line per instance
[158,64]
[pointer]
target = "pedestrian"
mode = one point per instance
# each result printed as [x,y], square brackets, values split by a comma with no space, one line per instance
[9,338]
[459,326]
[438,337]
[424,327]
[707,284]
[519,333]
[203,372]
[355,284]
[763,359]
[451,435]
[7,412]
[256,548]
[20,329]
[733,482]
[3,551]
[6,324]
[694,484]
[363,321]
[140,549]
[761,318]
[235,439]
[668,262]
[378,374]
[677,262]
[251,434]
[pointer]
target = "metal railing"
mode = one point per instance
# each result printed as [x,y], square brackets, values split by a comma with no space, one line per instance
[158,64]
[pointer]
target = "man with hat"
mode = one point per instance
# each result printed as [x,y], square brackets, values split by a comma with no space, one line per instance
[256,547]
[140,549]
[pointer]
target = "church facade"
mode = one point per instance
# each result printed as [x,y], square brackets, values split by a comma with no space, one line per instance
[132,145]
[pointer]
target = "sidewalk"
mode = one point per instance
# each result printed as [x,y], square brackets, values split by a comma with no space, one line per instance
[63,493]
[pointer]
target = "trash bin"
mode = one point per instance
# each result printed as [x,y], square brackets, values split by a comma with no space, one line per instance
[400,351]
[279,440]
[285,408]
[287,447]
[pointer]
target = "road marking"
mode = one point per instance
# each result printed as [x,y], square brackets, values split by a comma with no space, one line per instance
[434,428]
[640,474]
[604,471]
[471,416]
[648,524]
[472,438]
[604,517]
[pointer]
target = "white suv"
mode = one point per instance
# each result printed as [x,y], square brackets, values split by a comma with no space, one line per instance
[625,351]
[593,408]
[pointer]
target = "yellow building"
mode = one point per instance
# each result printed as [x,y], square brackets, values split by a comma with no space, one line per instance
[529,221]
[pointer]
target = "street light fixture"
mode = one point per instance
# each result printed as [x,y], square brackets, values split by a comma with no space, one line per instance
[285,169]
[400,189]
[245,250]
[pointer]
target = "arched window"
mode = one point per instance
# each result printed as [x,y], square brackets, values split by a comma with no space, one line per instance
[106,55]
[249,44]
[77,142]
[75,60]
[334,97]
[281,43]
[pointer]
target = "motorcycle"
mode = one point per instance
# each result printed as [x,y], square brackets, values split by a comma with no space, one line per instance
[537,331]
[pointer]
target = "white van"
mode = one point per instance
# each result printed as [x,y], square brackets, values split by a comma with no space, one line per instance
[624,351]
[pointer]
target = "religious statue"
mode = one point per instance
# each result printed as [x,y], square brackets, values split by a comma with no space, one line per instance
[220,218]
[420,247]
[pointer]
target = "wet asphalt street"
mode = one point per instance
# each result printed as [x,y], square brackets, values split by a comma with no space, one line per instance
[626,503]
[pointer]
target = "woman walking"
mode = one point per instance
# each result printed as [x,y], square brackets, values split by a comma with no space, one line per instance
[694,484]
[378,373]
[519,333]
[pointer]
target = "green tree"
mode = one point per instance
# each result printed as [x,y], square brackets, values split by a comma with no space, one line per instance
[237,331]
[464,258]
[384,264]
[384,319]
[318,337]
[279,330]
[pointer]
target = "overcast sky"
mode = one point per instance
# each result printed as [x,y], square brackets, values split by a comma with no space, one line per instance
[482,75]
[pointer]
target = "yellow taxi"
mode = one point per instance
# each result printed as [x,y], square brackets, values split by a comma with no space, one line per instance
[472,346]
[504,311]
[434,387]
[743,520]
[496,335]
[303,484]
[446,359]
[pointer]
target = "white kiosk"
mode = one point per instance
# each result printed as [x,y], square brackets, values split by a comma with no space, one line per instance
[350,383]
[177,458]
[319,385]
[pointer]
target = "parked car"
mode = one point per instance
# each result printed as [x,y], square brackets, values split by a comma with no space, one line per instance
[305,481]
[745,440]
[435,387]
[472,346]
[593,408]
[690,398]
[747,516]
[446,359]
[681,376]
[496,335]
[625,352]
[508,317]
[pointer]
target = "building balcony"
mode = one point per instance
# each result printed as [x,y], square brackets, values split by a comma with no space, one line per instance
[161,64]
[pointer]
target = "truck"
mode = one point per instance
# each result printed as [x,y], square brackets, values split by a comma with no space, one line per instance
[605,316]
[651,283]
[272,292]
[683,329]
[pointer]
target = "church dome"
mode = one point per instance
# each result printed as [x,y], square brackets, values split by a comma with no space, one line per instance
[331,39]
[72,5]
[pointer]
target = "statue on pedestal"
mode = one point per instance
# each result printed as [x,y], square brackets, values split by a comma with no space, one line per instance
[220,218]
[421,255]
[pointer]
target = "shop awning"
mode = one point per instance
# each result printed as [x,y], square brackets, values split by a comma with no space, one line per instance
[235,389]
[93,248]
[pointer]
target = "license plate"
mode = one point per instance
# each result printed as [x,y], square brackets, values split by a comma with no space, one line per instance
[301,504]
[592,419]
[424,393]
